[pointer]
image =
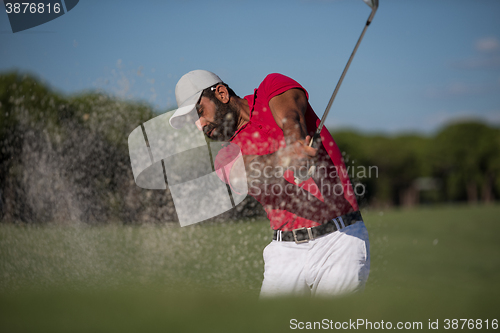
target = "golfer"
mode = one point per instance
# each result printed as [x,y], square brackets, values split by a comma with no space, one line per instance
[320,244]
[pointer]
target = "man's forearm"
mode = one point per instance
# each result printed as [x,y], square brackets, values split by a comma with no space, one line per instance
[294,128]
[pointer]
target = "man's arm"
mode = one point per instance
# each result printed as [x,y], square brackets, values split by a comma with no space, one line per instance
[288,110]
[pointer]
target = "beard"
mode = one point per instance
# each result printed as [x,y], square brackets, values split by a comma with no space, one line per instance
[225,122]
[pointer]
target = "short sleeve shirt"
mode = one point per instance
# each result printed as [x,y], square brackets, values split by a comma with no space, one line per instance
[328,194]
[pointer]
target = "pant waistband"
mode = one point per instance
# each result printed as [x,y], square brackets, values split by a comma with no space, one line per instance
[303,235]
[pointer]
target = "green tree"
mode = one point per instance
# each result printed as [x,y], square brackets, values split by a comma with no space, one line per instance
[395,161]
[465,156]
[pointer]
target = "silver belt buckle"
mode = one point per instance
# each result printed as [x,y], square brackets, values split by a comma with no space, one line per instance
[309,233]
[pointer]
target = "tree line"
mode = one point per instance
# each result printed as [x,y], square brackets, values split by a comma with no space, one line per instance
[459,163]
[66,159]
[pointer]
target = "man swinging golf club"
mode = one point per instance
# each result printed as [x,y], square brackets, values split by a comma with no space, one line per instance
[320,244]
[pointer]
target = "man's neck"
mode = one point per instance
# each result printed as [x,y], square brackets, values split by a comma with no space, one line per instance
[243,110]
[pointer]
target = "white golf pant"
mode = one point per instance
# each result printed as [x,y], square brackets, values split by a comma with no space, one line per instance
[334,264]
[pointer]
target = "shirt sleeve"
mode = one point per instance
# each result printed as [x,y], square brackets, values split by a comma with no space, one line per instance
[276,84]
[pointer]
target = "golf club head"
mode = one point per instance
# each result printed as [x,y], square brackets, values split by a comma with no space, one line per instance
[372,3]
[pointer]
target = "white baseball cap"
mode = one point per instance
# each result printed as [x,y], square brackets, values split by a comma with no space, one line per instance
[188,92]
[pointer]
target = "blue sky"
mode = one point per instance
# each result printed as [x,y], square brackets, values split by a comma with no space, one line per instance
[420,65]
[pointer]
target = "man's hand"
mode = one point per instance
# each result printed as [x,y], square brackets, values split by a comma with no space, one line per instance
[297,155]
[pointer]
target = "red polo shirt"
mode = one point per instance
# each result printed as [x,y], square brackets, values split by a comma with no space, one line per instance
[326,195]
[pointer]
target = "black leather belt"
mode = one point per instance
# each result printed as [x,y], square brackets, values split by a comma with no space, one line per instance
[303,235]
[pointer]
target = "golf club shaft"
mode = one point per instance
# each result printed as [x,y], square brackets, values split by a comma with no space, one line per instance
[311,170]
[328,107]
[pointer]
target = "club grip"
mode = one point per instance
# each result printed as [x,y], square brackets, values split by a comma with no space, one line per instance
[314,144]
[315,140]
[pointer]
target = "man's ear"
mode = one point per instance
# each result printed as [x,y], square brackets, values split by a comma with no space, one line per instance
[222,93]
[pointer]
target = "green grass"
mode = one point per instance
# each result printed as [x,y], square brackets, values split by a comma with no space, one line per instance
[427,263]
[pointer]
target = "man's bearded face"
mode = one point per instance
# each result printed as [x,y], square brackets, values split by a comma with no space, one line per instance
[225,122]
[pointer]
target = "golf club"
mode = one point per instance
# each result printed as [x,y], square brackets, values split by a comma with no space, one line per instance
[374,6]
